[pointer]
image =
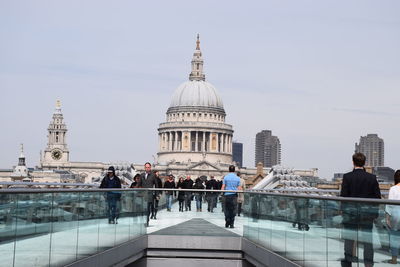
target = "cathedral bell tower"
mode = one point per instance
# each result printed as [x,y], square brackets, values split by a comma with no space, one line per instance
[197,64]
[56,152]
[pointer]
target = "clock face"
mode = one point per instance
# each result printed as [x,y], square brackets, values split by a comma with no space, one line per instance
[56,154]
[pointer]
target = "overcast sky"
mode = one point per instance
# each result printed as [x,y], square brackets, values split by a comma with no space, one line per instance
[319,74]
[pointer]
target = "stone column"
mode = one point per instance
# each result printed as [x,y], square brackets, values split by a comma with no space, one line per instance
[159,142]
[223,143]
[217,142]
[176,141]
[165,141]
[180,142]
[230,143]
[169,141]
[189,134]
[203,144]
[162,141]
[196,145]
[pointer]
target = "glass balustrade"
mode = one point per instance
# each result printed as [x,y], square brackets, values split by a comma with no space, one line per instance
[315,231]
[54,228]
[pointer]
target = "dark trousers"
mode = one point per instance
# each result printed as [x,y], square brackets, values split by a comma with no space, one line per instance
[239,208]
[181,204]
[363,234]
[112,211]
[230,208]
[188,200]
[211,200]
[154,207]
[149,208]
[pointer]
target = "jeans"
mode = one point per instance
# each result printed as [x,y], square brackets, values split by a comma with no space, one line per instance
[230,209]
[112,210]
[199,199]
[169,201]
[394,242]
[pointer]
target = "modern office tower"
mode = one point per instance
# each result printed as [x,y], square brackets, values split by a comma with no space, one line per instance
[373,148]
[237,153]
[268,149]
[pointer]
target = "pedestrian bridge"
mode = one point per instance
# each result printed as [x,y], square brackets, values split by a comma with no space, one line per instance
[69,227]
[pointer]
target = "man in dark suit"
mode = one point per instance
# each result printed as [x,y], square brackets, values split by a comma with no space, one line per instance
[148,180]
[358,218]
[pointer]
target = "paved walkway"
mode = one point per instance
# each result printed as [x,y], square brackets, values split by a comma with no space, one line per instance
[171,218]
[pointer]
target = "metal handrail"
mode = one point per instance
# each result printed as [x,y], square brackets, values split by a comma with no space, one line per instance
[332,198]
[48,184]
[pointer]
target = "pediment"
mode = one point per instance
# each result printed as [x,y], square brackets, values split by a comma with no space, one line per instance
[204,165]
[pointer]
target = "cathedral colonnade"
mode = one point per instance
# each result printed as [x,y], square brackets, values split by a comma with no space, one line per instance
[195,141]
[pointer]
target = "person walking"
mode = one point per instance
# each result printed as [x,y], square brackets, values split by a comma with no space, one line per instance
[358,219]
[181,194]
[198,195]
[221,197]
[148,180]
[240,198]
[136,181]
[188,184]
[156,196]
[112,181]
[231,182]
[170,183]
[211,197]
[393,218]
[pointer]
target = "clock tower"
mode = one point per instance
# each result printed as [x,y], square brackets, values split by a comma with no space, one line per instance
[56,152]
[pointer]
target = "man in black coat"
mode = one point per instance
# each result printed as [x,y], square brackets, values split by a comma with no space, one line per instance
[148,180]
[112,181]
[211,184]
[358,218]
[188,184]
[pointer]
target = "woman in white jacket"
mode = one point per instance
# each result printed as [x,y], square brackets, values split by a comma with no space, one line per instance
[393,218]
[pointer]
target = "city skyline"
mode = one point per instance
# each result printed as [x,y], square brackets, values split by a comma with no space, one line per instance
[312,76]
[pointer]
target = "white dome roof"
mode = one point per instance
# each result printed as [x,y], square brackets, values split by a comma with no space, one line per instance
[196,94]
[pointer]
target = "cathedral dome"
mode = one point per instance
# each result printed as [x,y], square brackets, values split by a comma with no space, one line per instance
[196,94]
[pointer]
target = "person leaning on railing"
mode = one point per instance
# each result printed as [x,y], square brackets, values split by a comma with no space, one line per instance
[393,218]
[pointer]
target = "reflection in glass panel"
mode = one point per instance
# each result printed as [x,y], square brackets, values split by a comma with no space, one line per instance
[315,245]
[296,226]
[33,219]
[8,215]
[89,210]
